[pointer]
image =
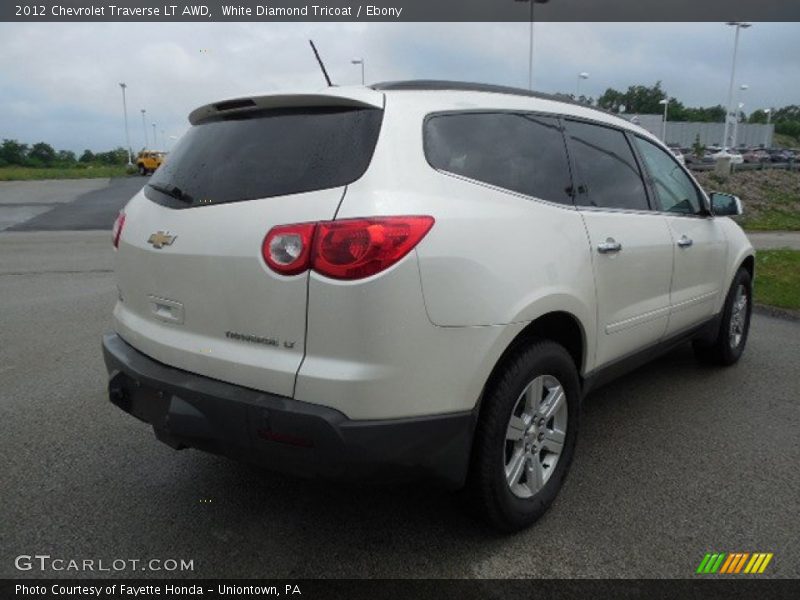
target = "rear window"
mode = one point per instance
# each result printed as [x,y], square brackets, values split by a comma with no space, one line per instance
[524,153]
[267,153]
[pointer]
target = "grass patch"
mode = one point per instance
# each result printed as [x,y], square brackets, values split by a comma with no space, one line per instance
[785,141]
[771,198]
[772,219]
[31,173]
[778,278]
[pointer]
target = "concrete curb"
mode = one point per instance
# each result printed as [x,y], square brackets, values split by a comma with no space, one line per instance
[786,314]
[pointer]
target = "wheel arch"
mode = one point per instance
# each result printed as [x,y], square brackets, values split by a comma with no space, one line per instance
[561,327]
[749,264]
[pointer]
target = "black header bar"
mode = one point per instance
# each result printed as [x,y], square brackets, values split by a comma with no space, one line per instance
[396,589]
[400,10]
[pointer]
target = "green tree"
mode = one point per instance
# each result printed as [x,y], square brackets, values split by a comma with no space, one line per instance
[697,148]
[639,99]
[42,154]
[118,156]
[787,113]
[66,157]
[612,100]
[711,114]
[13,153]
[87,156]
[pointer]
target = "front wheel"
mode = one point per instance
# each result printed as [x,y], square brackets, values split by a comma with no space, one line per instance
[142,170]
[734,327]
[525,436]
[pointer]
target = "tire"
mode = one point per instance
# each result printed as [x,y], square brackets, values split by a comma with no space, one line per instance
[142,170]
[511,503]
[734,326]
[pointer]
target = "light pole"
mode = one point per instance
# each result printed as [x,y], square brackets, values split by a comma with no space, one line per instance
[530,42]
[125,112]
[581,77]
[736,125]
[144,128]
[154,137]
[739,26]
[742,88]
[359,61]
[665,102]
[766,132]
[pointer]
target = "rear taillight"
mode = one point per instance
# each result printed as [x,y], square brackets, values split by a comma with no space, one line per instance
[358,248]
[287,248]
[116,231]
[346,249]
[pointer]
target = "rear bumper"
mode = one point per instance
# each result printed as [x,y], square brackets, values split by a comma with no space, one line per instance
[188,410]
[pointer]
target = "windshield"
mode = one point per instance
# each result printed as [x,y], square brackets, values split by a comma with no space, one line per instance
[267,153]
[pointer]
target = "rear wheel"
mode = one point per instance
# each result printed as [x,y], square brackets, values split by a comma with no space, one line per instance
[734,327]
[526,436]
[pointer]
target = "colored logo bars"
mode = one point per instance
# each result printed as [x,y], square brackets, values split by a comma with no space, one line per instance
[734,562]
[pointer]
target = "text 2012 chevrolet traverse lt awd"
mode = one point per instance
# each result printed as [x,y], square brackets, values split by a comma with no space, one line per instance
[417,279]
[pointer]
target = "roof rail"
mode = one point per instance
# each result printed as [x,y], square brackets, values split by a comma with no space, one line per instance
[468,86]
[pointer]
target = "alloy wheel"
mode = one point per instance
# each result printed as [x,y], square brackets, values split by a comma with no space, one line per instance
[535,436]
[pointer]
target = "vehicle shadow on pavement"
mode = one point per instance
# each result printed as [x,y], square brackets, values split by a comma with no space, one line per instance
[312,527]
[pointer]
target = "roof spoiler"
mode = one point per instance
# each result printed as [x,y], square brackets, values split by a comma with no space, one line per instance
[355,97]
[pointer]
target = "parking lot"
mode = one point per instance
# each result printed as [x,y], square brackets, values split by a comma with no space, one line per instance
[673,461]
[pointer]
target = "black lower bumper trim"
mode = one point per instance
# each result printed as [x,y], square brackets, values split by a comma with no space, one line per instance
[188,410]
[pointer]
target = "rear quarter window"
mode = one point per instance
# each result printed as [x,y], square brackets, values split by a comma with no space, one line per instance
[520,152]
[267,153]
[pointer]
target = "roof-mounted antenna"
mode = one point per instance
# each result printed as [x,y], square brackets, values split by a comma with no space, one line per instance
[321,65]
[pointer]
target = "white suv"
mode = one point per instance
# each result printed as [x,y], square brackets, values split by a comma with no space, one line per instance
[417,279]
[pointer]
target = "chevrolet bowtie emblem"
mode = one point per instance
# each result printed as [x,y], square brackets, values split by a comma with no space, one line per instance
[160,239]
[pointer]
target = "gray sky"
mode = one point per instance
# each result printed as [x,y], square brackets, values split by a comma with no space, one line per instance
[59,82]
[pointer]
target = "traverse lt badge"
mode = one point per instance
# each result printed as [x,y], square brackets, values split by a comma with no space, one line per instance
[160,239]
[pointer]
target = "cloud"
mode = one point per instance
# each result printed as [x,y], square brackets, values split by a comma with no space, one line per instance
[59,81]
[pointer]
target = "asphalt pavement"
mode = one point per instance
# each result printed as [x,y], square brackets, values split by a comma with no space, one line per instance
[673,461]
[64,205]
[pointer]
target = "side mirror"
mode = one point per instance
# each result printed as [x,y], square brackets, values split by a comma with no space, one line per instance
[725,205]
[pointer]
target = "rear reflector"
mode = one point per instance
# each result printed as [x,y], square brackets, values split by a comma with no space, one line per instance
[347,249]
[116,231]
[285,438]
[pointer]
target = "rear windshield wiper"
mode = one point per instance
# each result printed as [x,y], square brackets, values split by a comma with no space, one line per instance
[172,191]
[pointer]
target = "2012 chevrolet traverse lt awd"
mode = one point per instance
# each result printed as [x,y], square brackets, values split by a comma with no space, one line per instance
[417,279]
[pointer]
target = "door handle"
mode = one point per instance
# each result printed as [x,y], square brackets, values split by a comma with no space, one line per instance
[685,242]
[610,246]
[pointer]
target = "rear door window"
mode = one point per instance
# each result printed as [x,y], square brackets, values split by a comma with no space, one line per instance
[520,152]
[267,153]
[606,172]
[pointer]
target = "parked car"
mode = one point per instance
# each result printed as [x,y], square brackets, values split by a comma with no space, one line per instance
[691,159]
[756,156]
[780,155]
[148,161]
[424,283]
[735,157]
[708,158]
[678,154]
